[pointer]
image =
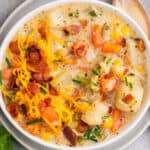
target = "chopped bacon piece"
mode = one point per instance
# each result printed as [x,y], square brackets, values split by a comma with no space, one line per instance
[53,91]
[70,135]
[33,88]
[14,47]
[82,127]
[7,73]
[33,55]
[80,48]
[123,42]
[72,30]
[11,83]
[13,108]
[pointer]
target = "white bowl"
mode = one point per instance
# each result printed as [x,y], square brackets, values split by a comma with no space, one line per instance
[136,118]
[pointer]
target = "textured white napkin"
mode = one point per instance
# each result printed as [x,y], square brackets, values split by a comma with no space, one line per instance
[7,6]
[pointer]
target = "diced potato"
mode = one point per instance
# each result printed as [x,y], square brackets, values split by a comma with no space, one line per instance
[136,91]
[94,115]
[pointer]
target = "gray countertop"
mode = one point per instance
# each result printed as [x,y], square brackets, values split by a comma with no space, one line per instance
[7,6]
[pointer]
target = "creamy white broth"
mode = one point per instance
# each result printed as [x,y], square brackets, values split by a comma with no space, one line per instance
[109,82]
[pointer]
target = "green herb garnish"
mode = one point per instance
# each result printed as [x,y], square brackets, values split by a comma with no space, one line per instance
[130,85]
[8,99]
[103,28]
[5,139]
[1,78]
[74,14]
[57,60]
[126,81]
[83,100]
[108,60]
[93,133]
[96,72]
[8,62]
[43,90]
[81,80]
[34,121]
[93,13]
[76,81]
[123,96]
[104,117]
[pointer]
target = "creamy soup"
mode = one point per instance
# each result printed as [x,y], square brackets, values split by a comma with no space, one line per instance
[74,74]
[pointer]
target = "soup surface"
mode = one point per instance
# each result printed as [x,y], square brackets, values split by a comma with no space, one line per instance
[74,75]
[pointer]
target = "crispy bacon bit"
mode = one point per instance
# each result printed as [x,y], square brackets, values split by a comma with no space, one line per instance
[126,71]
[110,110]
[53,91]
[140,45]
[33,88]
[70,135]
[80,48]
[83,22]
[11,83]
[72,30]
[45,103]
[123,42]
[41,67]
[108,83]
[128,98]
[13,108]
[14,47]
[43,32]
[33,56]
[82,127]
[40,76]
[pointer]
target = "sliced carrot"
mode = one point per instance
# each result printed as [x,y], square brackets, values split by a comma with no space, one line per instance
[7,73]
[117,120]
[111,47]
[49,114]
[128,98]
[96,35]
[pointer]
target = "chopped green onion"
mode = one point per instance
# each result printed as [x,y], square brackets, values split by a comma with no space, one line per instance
[103,28]
[1,78]
[74,14]
[126,81]
[96,72]
[8,99]
[83,100]
[57,60]
[34,121]
[123,96]
[104,117]
[93,13]
[8,62]
[108,60]
[43,90]
[93,133]
[76,81]
[130,85]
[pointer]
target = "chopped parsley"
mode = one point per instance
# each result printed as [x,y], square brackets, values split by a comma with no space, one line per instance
[96,72]
[76,81]
[92,13]
[93,133]
[131,85]
[104,117]
[123,96]
[81,80]
[74,14]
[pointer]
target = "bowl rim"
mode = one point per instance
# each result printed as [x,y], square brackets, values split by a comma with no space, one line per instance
[49,5]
